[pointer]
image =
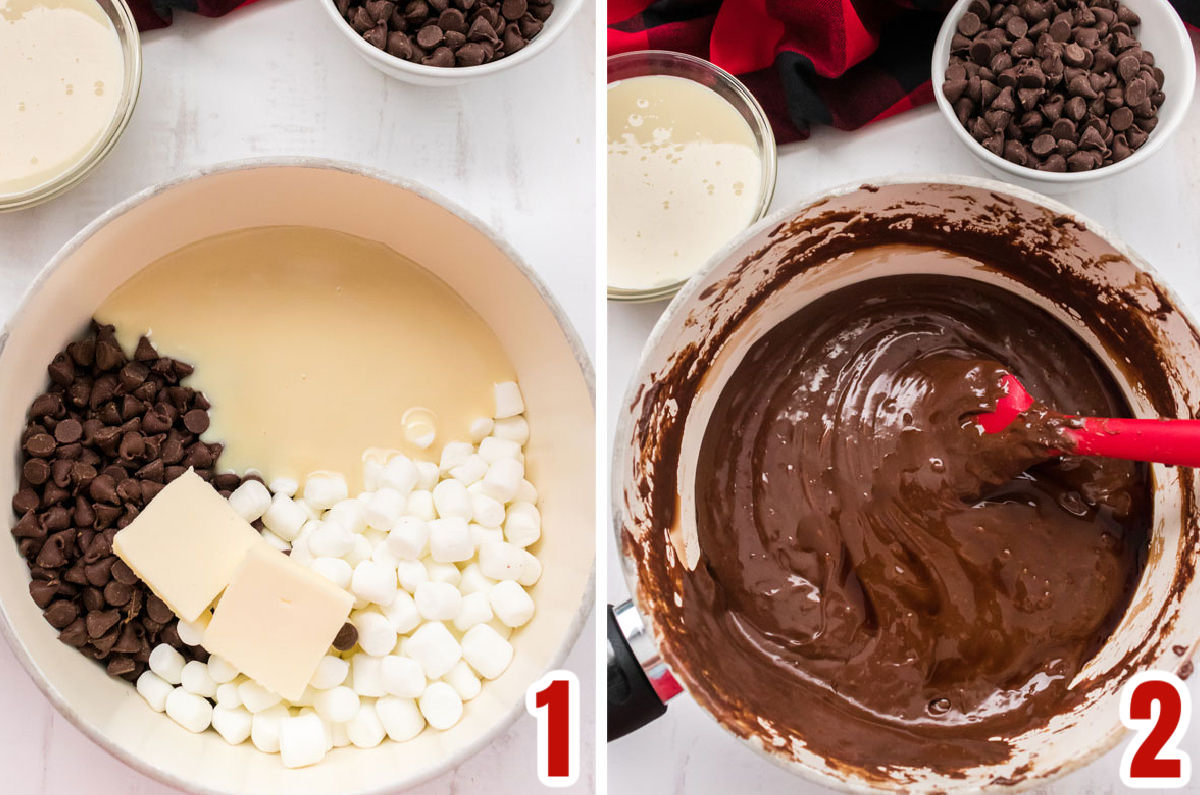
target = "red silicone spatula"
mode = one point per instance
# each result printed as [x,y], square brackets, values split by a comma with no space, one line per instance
[1171,442]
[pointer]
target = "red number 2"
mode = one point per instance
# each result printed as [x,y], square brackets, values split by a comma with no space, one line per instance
[1157,706]
[554,701]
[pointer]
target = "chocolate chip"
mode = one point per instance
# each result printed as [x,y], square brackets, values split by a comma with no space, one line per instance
[196,421]
[61,613]
[346,637]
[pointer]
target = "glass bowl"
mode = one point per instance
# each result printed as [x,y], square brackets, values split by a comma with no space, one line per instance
[131,50]
[661,62]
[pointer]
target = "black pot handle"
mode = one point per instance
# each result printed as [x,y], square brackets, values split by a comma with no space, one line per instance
[632,702]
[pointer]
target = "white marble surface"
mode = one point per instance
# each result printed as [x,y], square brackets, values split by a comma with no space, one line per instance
[1154,208]
[273,79]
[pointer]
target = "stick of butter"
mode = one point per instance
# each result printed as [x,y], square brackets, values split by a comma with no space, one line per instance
[186,544]
[276,620]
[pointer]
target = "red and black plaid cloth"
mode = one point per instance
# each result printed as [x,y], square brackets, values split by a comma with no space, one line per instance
[840,62]
[151,14]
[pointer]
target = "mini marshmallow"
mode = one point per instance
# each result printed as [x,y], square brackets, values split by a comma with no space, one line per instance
[285,486]
[410,574]
[284,518]
[350,514]
[479,428]
[443,572]
[486,511]
[384,508]
[221,670]
[474,580]
[365,729]
[437,601]
[372,472]
[322,490]
[167,663]
[402,613]
[511,603]
[375,633]
[366,675]
[434,648]
[337,704]
[301,553]
[455,454]
[274,541]
[374,582]
[338,737]
[257,698]
[403,676]
[493,449]
[475,608]
[400,473]
[331,672]
[463,680]
[155,690]
[500,560]
[232,723]
[330,540]
[531,570]
[503,478]
[420,428]
[228,696]
[526,492]
[441,705]
[427,475]
[195,679]
[409,538]
[420,505]
[450,499]
[471,471]
[381,554]
[486,651]
[189,710]
[401,718]
[302,741]
[514,429]
[265,726]
[480,535]
[361,551]
[508,400]
[250,500]
[450,540]
[335,570]
[192,632]
[522,524]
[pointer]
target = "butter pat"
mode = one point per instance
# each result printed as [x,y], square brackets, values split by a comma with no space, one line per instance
[276,621]
[186,544]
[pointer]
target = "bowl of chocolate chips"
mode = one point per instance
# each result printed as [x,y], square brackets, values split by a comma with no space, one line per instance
[1052,93]
[440,42]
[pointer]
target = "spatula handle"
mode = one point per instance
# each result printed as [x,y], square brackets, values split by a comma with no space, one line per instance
[1171,442]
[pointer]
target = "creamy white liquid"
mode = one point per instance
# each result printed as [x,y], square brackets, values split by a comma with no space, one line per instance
[684,176]
[61,72]
[315,348]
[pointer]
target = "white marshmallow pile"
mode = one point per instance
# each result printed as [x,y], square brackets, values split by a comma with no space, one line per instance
[436,558]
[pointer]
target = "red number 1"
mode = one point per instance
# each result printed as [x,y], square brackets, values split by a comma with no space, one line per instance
[1157,705]
[554,701]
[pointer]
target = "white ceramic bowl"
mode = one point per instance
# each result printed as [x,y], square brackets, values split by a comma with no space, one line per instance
[122,20]
[564,12]
[779,266]
[1161,32]
[554,373]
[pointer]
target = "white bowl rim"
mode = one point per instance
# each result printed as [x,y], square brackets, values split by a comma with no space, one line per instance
[585,609]
[452,74]
[691,292]
[1158,138]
